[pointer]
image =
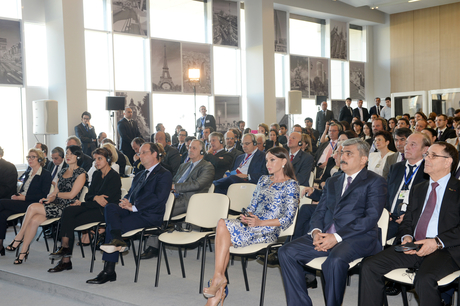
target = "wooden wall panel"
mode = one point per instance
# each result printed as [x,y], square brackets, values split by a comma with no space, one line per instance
[402,51]
[449,17]
[426,49]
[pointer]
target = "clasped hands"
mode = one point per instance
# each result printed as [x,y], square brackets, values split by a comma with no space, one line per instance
[428,246]
[124,203]
[323,241]
[251,221]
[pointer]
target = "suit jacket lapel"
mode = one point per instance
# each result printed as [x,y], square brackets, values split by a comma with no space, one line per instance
[338,189]
[451,190]
[355,183]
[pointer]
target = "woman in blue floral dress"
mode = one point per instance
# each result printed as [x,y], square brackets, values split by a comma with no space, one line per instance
[272,209]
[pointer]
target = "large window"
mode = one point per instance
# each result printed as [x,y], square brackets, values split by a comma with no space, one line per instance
[227,73]
[98,60]
[305,36]
[12,143]
[99,115]
[357,44]
[96,14]
[36,58]
[10,9]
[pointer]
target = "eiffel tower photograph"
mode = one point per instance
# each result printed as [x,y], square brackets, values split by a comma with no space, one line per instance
[166,66]
[280,31]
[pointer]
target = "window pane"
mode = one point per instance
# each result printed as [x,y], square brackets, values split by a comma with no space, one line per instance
[100,117]
[304,37]
[357,45]
[226,71]
[280,74]
[131,71]
[36,58]
[12,143]
[10,9]
[98,74]
[309,109]
[340,87]
[183,111]
[95,14]
[178,20]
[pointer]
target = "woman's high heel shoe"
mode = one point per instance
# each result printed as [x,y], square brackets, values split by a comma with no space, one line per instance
[12,248]
[19,261]
[211,291]
[219,298]
[2,251]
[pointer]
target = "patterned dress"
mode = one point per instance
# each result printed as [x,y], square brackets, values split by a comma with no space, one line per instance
[54,209]
[280,201]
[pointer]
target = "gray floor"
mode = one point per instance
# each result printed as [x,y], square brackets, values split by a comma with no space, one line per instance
[30,283]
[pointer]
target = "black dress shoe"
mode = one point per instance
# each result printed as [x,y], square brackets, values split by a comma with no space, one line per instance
[312,284]
[61,266]
[62,252]
[272,258]
[150,252]
[392,289]
[115,245]
[103,278]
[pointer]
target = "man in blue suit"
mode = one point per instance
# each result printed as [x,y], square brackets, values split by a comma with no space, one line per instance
[301,161]
[343,228]
[248,168]
[143,206]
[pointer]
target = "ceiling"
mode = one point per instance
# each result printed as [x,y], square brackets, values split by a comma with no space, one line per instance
[397,6]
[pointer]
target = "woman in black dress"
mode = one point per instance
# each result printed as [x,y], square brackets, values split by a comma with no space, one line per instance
[37,184]
[69,186]
[105,188]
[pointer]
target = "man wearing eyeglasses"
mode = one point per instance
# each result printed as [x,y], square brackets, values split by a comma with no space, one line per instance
[230,145]
[181,145]
[442,131]
[432,222]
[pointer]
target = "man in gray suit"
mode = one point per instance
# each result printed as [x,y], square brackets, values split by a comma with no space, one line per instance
[194,176]
[323,116]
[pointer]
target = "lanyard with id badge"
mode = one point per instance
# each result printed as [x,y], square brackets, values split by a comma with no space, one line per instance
[404,192]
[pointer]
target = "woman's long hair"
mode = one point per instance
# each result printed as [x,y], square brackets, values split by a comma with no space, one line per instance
[280,152]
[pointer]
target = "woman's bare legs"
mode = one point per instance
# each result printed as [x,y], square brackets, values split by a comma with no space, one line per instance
[35,216]
[222,256]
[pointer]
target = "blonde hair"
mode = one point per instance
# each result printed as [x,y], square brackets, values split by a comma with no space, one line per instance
[40,154]
[112,150]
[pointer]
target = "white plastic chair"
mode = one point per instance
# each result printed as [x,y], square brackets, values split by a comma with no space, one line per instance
[204,210]
[128,170]
[240,195]
[126,183]
[181,216]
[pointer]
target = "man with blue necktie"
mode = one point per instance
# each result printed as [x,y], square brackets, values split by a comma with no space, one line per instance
[204,121]
[57,155]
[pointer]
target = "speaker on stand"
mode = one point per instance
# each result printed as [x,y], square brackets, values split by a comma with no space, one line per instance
[294,105]
[114,104]
[45,118]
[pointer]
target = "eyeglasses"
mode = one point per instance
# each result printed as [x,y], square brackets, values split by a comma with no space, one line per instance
[31,157]
[229,138]
[246,143]
[434,156]
[182,135]
[86,118]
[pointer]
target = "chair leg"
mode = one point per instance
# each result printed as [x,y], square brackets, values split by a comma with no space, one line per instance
[138,259]
[46,241]
[38,238]
[323,286]
[181,262]
[81,245]
[210,246]
[157,276]
[245,275]
[203,263]
[121,259]
[226,275]
[166,260]
[93,248]
[198,253]
[232,260]
[15,230]
[185,252]
[404,295]
[264,277]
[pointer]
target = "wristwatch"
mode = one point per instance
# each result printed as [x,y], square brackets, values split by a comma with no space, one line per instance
[438,242]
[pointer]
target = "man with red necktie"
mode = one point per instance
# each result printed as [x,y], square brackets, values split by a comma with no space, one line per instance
[432,221]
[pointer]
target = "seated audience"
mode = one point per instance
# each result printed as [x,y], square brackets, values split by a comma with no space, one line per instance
[301,161]
[230,146]
[273,137]
[367,130]
[185,157]
[282,138]
[431,221]
[392,124]
[261,141]
[306,144]
[400,136]
[143,206]
[37,183]
[87,161]
[431,133]
[8,177]
[272,209]
[70,184]
[420,125]
[57,155]
[113,158]
[378,159]
[247,168]
[262,128]
[455,141]
[136,144]
[105,188]
[171,159]
[217,156]
[358,128]
[122,160]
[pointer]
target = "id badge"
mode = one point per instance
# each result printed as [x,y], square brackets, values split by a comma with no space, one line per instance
[403,194]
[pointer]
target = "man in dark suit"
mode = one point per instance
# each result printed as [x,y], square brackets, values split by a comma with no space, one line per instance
[301,161]
[86,133]
[181,146]
[171,160]
[442,131]
[8,178]
[376,109]
[314,134]
[282,138]
[188,141]
[247,168]
[44,148]
[217,156]
[346,113]
[361,112]
[402,176]
[57,156]
[205,121]
[87,161]
[326,149]
[323,116]
[143,206]
[343,228]
[432,221]
[128,130]
[400,136]
[230,146]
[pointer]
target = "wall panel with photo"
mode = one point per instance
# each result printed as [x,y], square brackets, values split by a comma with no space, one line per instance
[166,65]
[139,102]
[11,67]
[357,80]
[319,76]
[130,16]
[339,40]
[197,56]
[299,73]
[227,111]
[281,31]
[225,23]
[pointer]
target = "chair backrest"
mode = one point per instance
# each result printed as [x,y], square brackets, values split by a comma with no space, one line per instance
[126,183]
[18,186]
[128,170]
[383,225]
[123,192]
[169,207]
[240,195]
[84,191]
[304,200]
[211,189]
[311,180]
[51,189]
[205,209]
